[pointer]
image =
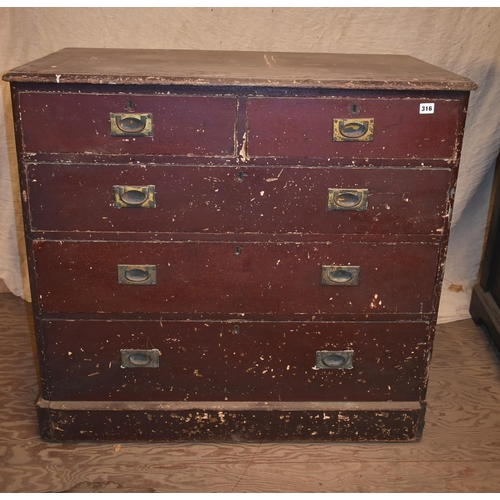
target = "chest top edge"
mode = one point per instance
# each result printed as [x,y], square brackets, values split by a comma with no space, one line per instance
[238,68]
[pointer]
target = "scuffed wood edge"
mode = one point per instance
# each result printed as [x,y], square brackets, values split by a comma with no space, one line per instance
[232,405]
[179,421]
[457,85]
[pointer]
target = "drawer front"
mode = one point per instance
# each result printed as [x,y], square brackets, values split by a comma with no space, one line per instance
[304,127]
[197,278]
[239,200]
[82,123]
[227,361]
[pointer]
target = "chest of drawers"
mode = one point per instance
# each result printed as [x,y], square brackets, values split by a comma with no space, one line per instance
[235,245]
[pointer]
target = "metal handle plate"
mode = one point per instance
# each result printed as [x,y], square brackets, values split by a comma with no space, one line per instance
[134,196]
[131,124]
[348,129]
[136,274]
[340,275]
[334,360]
[140,358]
[347,199]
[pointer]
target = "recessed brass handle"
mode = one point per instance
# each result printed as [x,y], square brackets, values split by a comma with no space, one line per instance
[136,274]
[334,360]
[140,358]
[353,130]
[348,129]
[340,275]
[347,199]
[131,124]
[134,196]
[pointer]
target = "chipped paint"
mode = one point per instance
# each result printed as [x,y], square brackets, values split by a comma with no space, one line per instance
[243,151]
[207,215]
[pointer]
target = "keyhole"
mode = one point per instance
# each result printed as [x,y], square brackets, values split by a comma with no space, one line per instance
[354,109]
[237,250]
[130,105]
[236,329]
[240,176]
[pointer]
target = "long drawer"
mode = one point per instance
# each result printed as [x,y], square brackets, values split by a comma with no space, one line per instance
[352,128]
[128,124]
[237,199]
[194,278]
[234,361]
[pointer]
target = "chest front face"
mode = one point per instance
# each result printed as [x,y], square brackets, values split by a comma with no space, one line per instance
[247,253]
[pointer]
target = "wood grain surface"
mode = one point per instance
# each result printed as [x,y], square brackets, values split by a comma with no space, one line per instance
[459,452]
[214,67]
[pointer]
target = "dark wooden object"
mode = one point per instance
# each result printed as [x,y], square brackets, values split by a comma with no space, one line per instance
[485,302]
[235,245]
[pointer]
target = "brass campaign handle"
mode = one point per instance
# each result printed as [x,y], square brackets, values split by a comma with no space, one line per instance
[136,274]
[131,124]
[348,129]
[353,129]
[140,358]
[334,360]
[340,275]
[134,196]
[347,199]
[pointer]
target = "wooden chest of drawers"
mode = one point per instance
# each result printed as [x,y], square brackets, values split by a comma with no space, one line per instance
[235,245]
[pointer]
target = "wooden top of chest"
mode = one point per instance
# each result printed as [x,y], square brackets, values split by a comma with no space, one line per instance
[238,68]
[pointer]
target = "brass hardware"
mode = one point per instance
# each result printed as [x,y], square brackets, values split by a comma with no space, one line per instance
[358,129]
[340,275]
[131,124]
[347,199]
[140,358]
[334,360]
[134,196]
[136,274]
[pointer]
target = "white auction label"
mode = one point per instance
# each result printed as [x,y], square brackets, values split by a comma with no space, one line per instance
[426,108]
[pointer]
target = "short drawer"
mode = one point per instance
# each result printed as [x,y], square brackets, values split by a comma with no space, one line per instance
[122,124]
[233,361]
[387,128]
[238,200]
[199,278]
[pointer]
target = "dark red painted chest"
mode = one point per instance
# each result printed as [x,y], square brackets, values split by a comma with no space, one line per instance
[235,245]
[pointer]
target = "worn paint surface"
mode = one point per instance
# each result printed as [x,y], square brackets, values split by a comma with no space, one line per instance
[181,67]
[237,236]
[258,361]
[203,199]
[67,421]
[202,278]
